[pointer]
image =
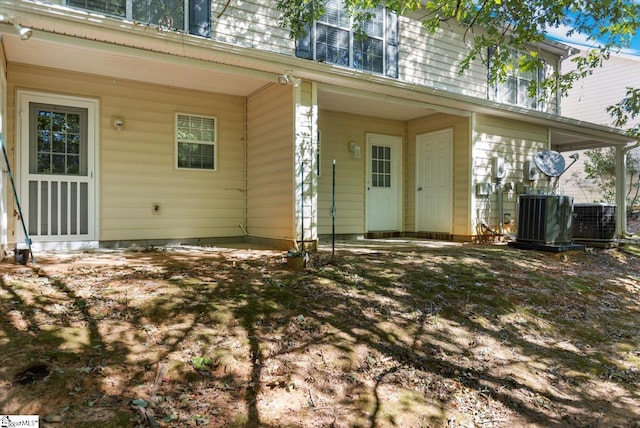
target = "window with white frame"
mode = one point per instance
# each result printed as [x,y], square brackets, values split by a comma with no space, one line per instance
[196,142]
[334,38]
[181,15]
[514,89]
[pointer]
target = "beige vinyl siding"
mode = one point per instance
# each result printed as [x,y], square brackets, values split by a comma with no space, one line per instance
[607,85]
[270,163]
[431,60]
[252,24]
[337,130]
[514,141]
[137,165]
[575,182]
[588,101]
[461,166]
[434,60]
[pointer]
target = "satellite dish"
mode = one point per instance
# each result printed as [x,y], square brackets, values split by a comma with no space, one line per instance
[550,162]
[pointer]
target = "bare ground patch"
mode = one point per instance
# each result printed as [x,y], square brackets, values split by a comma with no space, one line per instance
[387,333]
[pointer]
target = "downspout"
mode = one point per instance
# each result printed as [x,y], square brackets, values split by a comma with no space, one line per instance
[500,209]
[621,188]
[558,94]
[473,226]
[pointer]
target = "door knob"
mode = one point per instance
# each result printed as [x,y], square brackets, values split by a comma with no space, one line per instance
[420,189]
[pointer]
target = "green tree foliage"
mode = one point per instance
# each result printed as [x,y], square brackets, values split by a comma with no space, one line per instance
[627,109]
[520,25]
[600,167]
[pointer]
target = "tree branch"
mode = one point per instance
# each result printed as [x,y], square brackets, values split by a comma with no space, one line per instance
[224,9]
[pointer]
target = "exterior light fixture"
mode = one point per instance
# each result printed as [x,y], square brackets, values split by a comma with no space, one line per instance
[354,148]
[286,78]
[24,32]
[118,123]
[283,79]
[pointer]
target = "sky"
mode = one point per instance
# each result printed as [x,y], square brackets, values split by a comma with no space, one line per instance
[580,41]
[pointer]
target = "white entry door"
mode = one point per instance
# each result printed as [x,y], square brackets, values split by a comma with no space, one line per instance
[384,186]
[434,181]
[57,149]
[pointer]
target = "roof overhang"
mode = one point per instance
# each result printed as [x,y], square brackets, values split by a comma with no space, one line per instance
[68,39]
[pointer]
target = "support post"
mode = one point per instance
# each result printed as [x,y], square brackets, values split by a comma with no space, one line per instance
[621,191]
[333,212]
[302,203]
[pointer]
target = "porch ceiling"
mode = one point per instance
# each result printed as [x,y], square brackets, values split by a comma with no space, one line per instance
[568,138]
[139,65]
[384,108]
[563,141]
[131,64]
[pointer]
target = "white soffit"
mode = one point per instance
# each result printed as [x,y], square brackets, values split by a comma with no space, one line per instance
[132,64]
[345,103]
[567,141]
[354,101]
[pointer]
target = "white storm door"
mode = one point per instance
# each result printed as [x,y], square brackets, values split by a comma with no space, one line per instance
[57,140]
[384,186]
[434,181]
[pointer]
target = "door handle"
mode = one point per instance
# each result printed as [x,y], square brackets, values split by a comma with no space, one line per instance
[420,189]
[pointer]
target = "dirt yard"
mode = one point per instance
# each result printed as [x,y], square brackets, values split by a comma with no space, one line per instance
[385,334]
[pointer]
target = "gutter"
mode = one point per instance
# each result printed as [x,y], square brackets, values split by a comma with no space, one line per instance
[230,58]
[50,19]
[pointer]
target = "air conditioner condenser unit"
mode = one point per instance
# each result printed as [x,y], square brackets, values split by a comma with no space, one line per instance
[545,219]
[594,222]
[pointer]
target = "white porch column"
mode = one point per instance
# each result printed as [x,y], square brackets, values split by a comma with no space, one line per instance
[621,187]
[621,191]
[306,168]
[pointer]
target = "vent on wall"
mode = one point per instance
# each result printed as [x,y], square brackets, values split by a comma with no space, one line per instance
[594,222]
[545,219]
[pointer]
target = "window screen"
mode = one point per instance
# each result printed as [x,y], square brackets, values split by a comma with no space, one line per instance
[196,142]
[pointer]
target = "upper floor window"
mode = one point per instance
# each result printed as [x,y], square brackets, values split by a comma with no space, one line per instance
[335,38]
[194,15]
[514,89]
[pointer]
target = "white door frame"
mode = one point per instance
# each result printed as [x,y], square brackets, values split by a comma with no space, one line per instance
[24,98]
[417,175]
[396,167]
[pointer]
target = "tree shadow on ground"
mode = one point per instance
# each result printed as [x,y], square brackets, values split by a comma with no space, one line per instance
[369,338]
